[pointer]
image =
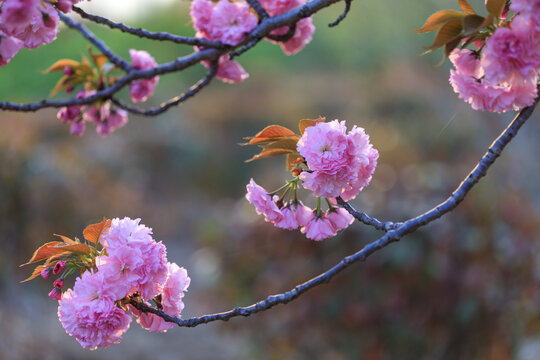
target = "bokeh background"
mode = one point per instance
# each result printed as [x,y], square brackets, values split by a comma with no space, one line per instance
[464,287]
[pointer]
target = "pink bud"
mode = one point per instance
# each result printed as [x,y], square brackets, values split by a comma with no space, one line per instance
[68,71]
[59,267]
[58,283]
[64,6]
[55,294]
[69,89]
[45,273]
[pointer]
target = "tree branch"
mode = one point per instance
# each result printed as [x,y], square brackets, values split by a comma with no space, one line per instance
[113,58]
[493,152]
[255,5]
[366,219]
[159,36]
[343,15]
[265,27]
[174,101]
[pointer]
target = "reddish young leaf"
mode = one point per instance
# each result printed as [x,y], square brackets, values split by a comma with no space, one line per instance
[76,248]
[466,7]
[94,231]
[66,239]
[45,251]
[472,23]
[271,133]
[309,122]
[450,31]
[292,160]
[270,152]
[35,273]
[437,20]
[495,7]
[288,144]
[61,64]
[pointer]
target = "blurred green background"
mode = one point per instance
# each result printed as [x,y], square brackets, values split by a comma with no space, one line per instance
[464,287]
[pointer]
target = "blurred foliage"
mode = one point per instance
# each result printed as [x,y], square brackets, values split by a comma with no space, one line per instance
[465,287]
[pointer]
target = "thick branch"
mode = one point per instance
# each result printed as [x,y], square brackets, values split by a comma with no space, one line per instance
[263,29]
[160,36]
[255,5]
[394,235]
[113,58]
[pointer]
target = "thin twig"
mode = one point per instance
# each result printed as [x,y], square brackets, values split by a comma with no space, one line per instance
[113,58]
[174,101]
[494,151]
[366,219]
[160,36]
[343,14]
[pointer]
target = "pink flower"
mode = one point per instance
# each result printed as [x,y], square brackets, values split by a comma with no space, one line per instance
[484,95]
[171,300]
[9,47]
[91,286]
[319,228]
[77,128]
[231,21]
[304,28]
[263,202]
[69,114]
[466,62]
[118,118]
[304,214]
[527,8]
[302,37]
[229,71]
[340,218]
[134,258]
[42,28]
[93,322]
[227,22]
[341,164]
[511,54]
[141,90]
[288,220]
[17,13]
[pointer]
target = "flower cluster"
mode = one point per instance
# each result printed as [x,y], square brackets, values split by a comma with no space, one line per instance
[340,163]
[230,21]
[503,74]
[330,163]
[106,117]
[317,225]
[131,265]
[28,24]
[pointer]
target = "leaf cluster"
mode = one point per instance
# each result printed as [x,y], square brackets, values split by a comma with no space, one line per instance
[453,27]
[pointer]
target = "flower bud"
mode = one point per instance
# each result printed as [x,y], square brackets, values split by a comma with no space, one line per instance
[64,6]
[68,71]
[45,273]
[296,172]
[58,283]
[69,89]
[59,267]
[55,294]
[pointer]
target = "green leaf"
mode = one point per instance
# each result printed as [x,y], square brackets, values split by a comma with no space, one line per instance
[439,19]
